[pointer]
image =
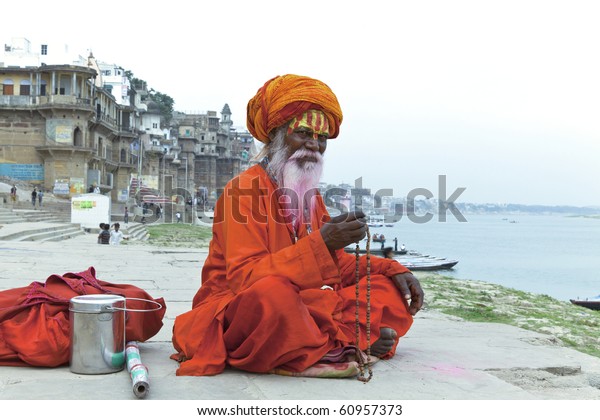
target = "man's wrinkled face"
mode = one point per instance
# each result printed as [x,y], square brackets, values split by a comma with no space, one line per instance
[308,132]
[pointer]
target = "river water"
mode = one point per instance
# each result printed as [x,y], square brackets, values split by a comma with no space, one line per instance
[556,255]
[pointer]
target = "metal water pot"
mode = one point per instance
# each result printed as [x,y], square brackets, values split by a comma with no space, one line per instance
[97,334]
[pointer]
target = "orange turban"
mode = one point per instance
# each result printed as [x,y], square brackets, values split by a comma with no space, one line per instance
[285,97]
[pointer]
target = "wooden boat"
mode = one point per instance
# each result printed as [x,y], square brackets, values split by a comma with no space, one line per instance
[413,261]
[432,265]
[376,220]
[375,251]
[594,303]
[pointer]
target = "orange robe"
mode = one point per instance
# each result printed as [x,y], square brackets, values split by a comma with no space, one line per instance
[261,304]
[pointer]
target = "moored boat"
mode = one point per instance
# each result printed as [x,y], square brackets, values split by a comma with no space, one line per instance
[429,265]
[375,251]
[591,303]
[376,220]
[413,261]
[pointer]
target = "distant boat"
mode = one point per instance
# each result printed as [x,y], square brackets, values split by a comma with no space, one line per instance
[376,220]
[374,251]
[413,261]
[591,303]
[429,265]
[378,238]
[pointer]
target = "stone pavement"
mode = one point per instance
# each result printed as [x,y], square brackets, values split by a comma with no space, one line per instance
[441,358]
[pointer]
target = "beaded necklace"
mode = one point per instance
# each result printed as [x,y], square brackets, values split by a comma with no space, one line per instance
[359,357]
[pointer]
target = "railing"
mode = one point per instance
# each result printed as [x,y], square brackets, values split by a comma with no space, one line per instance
[16,101]
[106,119]
[30,100]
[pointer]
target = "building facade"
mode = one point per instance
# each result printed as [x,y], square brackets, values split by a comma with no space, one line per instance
[67,127]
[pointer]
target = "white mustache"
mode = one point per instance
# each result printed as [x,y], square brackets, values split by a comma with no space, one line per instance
[304,153]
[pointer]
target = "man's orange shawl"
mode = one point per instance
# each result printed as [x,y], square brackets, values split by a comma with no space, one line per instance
[242,253]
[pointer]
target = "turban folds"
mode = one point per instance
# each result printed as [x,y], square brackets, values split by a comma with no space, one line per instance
[285,97]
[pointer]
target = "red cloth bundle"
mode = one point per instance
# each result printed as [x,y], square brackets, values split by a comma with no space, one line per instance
[34,320]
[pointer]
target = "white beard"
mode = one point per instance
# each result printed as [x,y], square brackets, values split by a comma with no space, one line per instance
[299,176]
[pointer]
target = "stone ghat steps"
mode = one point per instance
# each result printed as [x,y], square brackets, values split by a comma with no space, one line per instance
[136,231]
[43,216]
[43,232]
[8,216]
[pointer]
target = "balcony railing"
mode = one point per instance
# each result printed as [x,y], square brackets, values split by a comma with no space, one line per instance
[44,101]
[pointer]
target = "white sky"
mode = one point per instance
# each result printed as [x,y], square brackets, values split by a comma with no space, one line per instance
[502,97]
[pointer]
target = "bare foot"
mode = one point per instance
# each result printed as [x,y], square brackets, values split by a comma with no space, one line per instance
[387,338]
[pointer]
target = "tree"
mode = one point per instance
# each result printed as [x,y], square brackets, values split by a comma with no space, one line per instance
[165,102]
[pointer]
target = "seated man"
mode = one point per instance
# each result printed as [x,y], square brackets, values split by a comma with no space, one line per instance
[278,289]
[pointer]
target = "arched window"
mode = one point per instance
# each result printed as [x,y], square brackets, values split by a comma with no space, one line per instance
[25,88]
[8,87]
[77,137]
[123,156]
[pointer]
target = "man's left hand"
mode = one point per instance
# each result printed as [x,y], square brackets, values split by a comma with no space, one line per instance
[410,288]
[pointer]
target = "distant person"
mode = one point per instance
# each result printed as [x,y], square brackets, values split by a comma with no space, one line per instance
[101,226]
[403,248]
[388,252]
[158,212]
[33,196]
[396,244]
[96,189]
[126,216]
[13,193]
[40,195]
[104,236]
[178,217]
[116,236]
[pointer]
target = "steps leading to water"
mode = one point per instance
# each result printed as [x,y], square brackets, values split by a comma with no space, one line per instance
[52,222]
[8,216]
[40,231]
[136,232]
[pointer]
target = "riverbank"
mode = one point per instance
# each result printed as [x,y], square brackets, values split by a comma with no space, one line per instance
[443,357]
[562,322]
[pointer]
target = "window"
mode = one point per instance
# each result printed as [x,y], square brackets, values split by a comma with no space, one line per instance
[25,88]
[154,125]
[44,49]
[7,87]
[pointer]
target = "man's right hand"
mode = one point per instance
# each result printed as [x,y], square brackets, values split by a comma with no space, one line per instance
[343,230]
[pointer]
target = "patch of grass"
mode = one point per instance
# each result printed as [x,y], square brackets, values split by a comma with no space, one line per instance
[178,235]
[478,314]
[478,301]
